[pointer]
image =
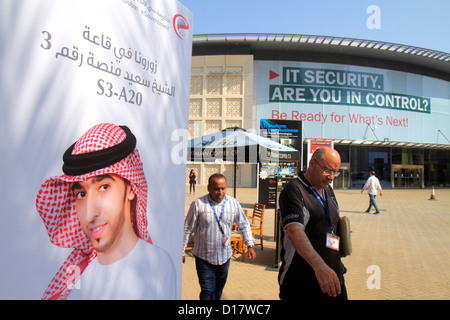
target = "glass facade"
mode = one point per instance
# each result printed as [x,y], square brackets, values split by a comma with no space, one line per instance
[387,118]
[437,168]
[375,126]
[395,167]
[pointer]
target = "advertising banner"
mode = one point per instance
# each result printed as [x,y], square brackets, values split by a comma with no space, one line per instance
[101,87]
[343,101]
[289,134]
[286,132]
[313,145]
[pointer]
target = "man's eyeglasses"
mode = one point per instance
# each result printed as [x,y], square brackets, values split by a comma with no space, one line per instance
[328,172]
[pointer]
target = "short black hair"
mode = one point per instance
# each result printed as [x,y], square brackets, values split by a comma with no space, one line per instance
[214,176]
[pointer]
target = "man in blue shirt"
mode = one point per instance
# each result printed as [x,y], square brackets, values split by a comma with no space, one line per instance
[211,218]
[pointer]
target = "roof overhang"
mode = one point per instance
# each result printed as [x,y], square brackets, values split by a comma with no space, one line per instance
[388,143]
[297,47]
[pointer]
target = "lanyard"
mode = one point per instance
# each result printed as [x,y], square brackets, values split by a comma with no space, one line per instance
[221,215]
[327,210]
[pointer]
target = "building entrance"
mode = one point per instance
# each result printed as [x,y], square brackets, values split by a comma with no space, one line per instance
[343,180]
[407,176]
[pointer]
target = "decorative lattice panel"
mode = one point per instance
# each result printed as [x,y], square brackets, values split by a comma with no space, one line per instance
[212,126]
[234,108]
[195,128]
[228,172]
[217,102]
[209,170]
[196,85]
[214,84]
[195,108]
[233,84]
[213,108]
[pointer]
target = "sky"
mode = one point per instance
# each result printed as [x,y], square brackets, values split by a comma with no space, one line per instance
[411,22]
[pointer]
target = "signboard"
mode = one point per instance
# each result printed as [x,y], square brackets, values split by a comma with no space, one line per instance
[328,86]
[313,145]
[267,192]
[66,67]
[287,133]
[337,101]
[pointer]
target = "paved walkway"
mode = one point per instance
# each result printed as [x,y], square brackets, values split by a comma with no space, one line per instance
[406,245]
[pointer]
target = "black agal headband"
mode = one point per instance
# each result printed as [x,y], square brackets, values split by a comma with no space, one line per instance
[78,164]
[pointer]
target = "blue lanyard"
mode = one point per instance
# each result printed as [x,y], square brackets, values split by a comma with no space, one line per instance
[219,220]
[327,210]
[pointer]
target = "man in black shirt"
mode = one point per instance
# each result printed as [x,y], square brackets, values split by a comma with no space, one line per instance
[311,264]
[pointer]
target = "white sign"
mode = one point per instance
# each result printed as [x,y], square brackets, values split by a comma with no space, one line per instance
[343,101]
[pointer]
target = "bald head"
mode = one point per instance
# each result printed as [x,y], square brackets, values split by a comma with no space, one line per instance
[323,159]
[327,154]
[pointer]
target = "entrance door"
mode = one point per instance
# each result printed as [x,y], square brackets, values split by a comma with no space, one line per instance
[407,176]
[343,180]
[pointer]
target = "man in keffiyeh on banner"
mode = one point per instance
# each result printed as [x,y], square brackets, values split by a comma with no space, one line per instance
[98,208]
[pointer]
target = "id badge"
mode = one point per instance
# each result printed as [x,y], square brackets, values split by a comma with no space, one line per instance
[332,242]
[226,241]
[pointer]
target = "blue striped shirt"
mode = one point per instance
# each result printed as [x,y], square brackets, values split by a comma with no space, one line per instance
[208,239]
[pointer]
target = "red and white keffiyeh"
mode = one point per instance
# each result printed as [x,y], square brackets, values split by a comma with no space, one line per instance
[55,203]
